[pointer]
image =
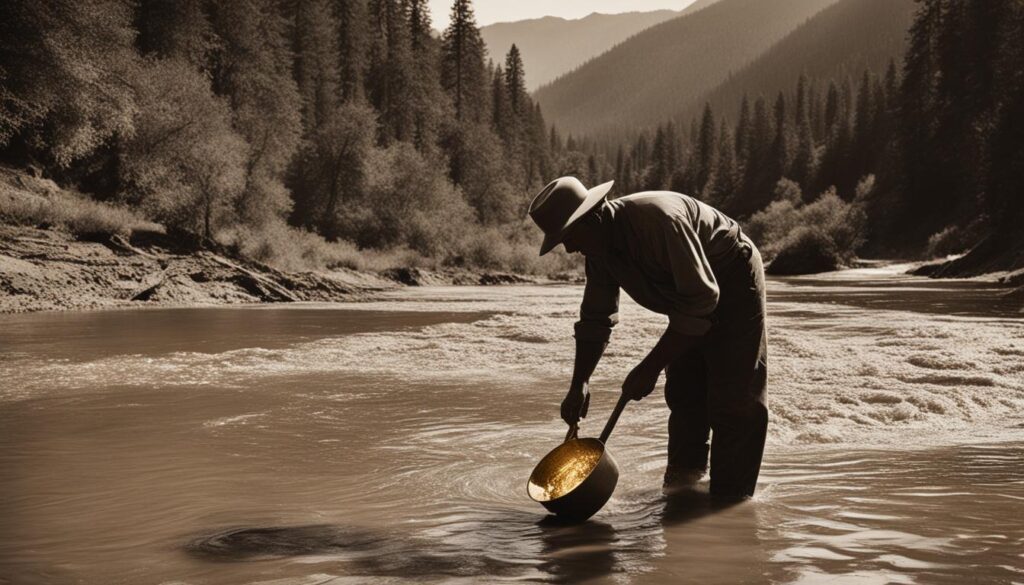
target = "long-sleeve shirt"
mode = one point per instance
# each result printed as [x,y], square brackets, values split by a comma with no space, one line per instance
[661,250]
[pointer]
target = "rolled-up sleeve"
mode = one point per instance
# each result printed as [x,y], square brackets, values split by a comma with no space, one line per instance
[599,311]
[695,285]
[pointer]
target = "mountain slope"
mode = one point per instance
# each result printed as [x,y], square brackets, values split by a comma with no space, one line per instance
[842,40]
[665,68]
[553,46]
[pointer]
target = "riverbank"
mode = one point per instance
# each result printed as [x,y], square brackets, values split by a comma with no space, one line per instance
[60,251]
[52,270]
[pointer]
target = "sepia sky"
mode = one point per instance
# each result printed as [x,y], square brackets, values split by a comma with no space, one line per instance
[491,11]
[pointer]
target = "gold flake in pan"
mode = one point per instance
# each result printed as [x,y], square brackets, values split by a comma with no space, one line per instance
[563,469]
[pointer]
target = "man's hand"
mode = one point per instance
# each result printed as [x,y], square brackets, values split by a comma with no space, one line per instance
[575,404]
[640,382]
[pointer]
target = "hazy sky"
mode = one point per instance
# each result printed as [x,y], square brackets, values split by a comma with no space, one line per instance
[491,11]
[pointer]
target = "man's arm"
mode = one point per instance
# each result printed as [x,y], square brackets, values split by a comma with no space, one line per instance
[599,312]
[642,379]
[690,317]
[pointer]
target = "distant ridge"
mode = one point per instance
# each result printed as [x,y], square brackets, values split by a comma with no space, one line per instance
[553,46]
[666,68]
[842,40]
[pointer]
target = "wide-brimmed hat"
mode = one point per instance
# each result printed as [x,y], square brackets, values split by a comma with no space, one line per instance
[560,204]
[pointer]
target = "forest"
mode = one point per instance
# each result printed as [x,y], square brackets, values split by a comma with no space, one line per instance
[920,159]
[303,133]
[281,127]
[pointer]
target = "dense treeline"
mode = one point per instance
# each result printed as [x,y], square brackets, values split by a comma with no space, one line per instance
[842,40]
[961,114]
[816,136]
[348,118]
[920,158]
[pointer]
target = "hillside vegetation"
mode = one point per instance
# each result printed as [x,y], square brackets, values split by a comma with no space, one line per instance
[288,130]
[670,66]
[841,41]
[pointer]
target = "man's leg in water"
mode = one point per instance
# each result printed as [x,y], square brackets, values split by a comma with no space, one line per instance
[737,358]
[686,392]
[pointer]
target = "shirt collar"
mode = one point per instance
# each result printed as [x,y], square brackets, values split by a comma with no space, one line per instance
[612,233]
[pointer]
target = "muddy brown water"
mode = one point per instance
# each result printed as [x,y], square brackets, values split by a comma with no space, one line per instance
[391,441]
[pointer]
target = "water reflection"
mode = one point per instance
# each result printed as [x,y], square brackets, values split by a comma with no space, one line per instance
[575,553]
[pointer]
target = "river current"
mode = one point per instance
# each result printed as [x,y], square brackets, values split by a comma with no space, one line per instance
[391,441]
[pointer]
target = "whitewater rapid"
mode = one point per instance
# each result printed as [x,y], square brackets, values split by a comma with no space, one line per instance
[838,373]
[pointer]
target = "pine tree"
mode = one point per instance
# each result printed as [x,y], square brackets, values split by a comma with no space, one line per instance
[705,155]
[515,81]
[657,178]
[176,29]
[316,71]
[389,82]
[428,102]
[462,63]
[254,71]
[724,182]
[864,116]
[540,167]
[517,119]
[780,157]
[352,48]
[831,107]
[743,130]
[501,114]
[757,180]
[803,160]
[555,141]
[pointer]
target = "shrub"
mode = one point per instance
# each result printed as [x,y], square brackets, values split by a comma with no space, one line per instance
[835,226]
[808,250]
[76,214]
[770,226]
[295,250]
[950,241]
[513,248]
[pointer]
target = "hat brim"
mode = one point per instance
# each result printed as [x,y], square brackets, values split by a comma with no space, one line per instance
[593,198]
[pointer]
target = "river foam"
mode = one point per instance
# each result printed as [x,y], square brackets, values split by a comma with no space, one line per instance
[837,373]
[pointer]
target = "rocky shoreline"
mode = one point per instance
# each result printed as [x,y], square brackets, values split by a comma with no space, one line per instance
[51,270]
[43,269]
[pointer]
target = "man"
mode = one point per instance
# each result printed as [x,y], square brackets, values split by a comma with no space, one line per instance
[679,257]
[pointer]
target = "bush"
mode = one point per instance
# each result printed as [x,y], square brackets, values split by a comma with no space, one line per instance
[513,248]
[808,250]
[296,250]
[830,224]
[76,214]
[770,226]
[949,242]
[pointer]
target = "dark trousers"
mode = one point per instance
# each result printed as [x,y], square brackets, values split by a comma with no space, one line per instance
[720,387]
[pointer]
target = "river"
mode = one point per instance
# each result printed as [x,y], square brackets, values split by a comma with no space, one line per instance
[391,441]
